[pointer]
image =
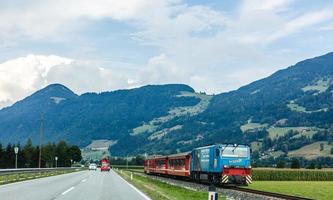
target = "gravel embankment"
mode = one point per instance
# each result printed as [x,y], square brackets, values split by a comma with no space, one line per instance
[229,193]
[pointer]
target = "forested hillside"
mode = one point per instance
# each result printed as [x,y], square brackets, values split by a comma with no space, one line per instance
[277,115]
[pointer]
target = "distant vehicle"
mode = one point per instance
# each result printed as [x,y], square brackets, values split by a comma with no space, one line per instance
[226,164]
[105,165]
[92,166]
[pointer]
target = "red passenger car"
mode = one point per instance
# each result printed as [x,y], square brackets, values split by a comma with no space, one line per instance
[173,165]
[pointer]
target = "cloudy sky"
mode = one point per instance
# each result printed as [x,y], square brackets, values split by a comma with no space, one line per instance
[98,45]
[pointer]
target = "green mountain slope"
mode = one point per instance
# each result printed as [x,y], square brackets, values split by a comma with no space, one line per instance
[288,110]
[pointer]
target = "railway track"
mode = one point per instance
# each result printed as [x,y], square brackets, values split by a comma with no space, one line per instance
[246,190]
[269,194]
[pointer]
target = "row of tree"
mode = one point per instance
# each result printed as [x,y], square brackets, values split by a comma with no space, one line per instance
[28,155]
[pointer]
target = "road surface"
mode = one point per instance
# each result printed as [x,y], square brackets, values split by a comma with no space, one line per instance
[84,185]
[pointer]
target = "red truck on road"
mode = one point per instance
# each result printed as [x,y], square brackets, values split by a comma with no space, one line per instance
[105,165]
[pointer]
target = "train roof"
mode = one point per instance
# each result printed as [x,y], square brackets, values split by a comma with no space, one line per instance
[223,145]
[169,156]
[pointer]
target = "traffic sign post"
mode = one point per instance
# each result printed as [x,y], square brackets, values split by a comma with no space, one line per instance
[56,159]
[212,194]
[16,149]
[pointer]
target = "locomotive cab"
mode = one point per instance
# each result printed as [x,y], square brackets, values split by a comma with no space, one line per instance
[236,163]
[222,164]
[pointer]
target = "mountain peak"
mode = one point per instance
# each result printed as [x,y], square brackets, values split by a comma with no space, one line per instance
[55,89]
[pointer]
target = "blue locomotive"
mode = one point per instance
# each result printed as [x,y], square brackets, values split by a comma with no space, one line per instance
[222,163]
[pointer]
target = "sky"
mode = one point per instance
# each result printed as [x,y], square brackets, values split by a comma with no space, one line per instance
[103,45]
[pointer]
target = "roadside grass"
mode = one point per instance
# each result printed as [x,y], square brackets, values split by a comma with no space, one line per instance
[158,190]
[11,178]
[322,190]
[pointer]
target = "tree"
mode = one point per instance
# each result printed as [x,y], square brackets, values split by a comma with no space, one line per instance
[312,165]
[1,157]
[332,150]
[49,152]
[61,153]
[74,153]
[321,146]
[295,164]
[9,157]
[28,153]
[281,164]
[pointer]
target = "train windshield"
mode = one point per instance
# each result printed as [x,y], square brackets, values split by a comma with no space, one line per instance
[231,151]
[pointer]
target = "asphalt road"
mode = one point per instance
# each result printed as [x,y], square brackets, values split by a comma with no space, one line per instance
[84,185]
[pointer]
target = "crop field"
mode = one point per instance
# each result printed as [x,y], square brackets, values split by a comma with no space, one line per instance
[322,190]
[268,174]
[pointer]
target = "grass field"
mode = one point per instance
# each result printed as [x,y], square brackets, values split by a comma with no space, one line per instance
[322,190]
[275,132]
[253,126]
[312,151]
[320,86]
[158,190]
[295,107]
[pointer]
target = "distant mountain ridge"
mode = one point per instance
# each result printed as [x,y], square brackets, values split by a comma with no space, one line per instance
[288,110]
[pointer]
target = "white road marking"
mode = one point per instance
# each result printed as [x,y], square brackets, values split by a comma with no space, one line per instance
[84,180]
[70,189]
[138,191]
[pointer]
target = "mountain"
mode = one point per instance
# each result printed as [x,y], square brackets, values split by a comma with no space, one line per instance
[81,119]
[279,115]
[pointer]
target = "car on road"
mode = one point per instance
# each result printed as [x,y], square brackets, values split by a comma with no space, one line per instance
[105,165]
[93,166]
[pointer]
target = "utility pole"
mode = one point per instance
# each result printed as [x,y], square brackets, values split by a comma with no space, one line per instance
[41,139]
[126,161]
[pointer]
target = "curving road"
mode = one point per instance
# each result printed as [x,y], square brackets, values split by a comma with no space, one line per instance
[84,185]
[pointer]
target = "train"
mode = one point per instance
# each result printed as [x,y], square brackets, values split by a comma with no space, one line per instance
[219,164]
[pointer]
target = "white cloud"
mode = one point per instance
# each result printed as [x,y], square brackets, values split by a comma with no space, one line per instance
[196,44]
[22,76]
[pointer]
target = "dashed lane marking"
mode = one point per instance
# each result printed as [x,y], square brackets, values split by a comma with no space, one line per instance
[70,189]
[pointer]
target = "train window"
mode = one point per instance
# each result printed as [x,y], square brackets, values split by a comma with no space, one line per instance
[217,152]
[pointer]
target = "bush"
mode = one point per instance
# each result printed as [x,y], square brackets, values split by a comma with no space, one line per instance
[295,164]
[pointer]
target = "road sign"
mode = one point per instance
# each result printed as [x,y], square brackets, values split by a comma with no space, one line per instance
[16,149]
